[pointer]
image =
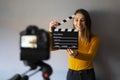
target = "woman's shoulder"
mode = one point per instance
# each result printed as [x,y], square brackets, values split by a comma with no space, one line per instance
[95,37]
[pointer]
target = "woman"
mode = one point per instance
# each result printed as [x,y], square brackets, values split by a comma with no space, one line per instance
[81,60]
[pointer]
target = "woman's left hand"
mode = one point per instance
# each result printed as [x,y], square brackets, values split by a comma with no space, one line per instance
[72,53]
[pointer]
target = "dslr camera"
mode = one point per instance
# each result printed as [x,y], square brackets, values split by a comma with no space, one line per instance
[34,44]
[34,47]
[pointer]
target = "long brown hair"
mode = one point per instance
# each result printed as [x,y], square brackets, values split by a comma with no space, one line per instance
[87,31]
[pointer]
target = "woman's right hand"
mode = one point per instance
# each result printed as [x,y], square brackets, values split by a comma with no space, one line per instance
[53,23]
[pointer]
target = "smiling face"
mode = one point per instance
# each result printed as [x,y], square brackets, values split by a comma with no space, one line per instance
[79,22]
[82,22]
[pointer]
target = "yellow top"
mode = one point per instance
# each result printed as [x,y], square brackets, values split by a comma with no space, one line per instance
[86,53]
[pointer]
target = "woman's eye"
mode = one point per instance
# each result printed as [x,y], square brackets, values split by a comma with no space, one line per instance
[76,20]
[83,20]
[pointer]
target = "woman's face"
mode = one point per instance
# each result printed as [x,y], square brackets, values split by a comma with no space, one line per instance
[79,22]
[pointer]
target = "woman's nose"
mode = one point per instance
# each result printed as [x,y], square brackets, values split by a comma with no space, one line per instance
[78,23]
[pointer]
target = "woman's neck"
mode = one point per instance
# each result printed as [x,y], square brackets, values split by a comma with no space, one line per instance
[81,35]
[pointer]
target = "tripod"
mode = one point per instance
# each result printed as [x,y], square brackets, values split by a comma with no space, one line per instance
[45,68]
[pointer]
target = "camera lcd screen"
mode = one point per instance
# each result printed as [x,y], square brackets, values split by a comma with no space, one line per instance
[29,41]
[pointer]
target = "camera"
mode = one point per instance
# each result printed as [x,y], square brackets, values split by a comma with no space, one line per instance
[34,48]
[34,44]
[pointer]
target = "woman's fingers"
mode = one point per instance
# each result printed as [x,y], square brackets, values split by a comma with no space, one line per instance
[71,52]
[53,23]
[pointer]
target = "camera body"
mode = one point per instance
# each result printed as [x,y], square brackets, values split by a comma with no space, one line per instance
[34,44]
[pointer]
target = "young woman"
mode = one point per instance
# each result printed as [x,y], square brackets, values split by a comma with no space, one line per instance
[80,61]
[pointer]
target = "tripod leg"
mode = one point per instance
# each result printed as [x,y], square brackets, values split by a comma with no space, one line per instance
[46,78]
[25,78]
[16,77]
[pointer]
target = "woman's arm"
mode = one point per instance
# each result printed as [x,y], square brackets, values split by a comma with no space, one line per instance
[52,24]
[92,51]
[85,55]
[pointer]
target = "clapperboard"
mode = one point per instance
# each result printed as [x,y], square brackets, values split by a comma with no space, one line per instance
[65,38]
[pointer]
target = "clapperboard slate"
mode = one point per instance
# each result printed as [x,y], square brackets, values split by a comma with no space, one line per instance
[64,38]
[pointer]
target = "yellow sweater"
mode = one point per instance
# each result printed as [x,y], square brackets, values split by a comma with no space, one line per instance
[86,53]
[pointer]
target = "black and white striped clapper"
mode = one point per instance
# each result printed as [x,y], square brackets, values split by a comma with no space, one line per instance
[65,38]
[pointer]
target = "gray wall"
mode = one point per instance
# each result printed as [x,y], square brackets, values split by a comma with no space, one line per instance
[16,15]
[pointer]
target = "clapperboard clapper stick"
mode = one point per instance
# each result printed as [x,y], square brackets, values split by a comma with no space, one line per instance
[64,38]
